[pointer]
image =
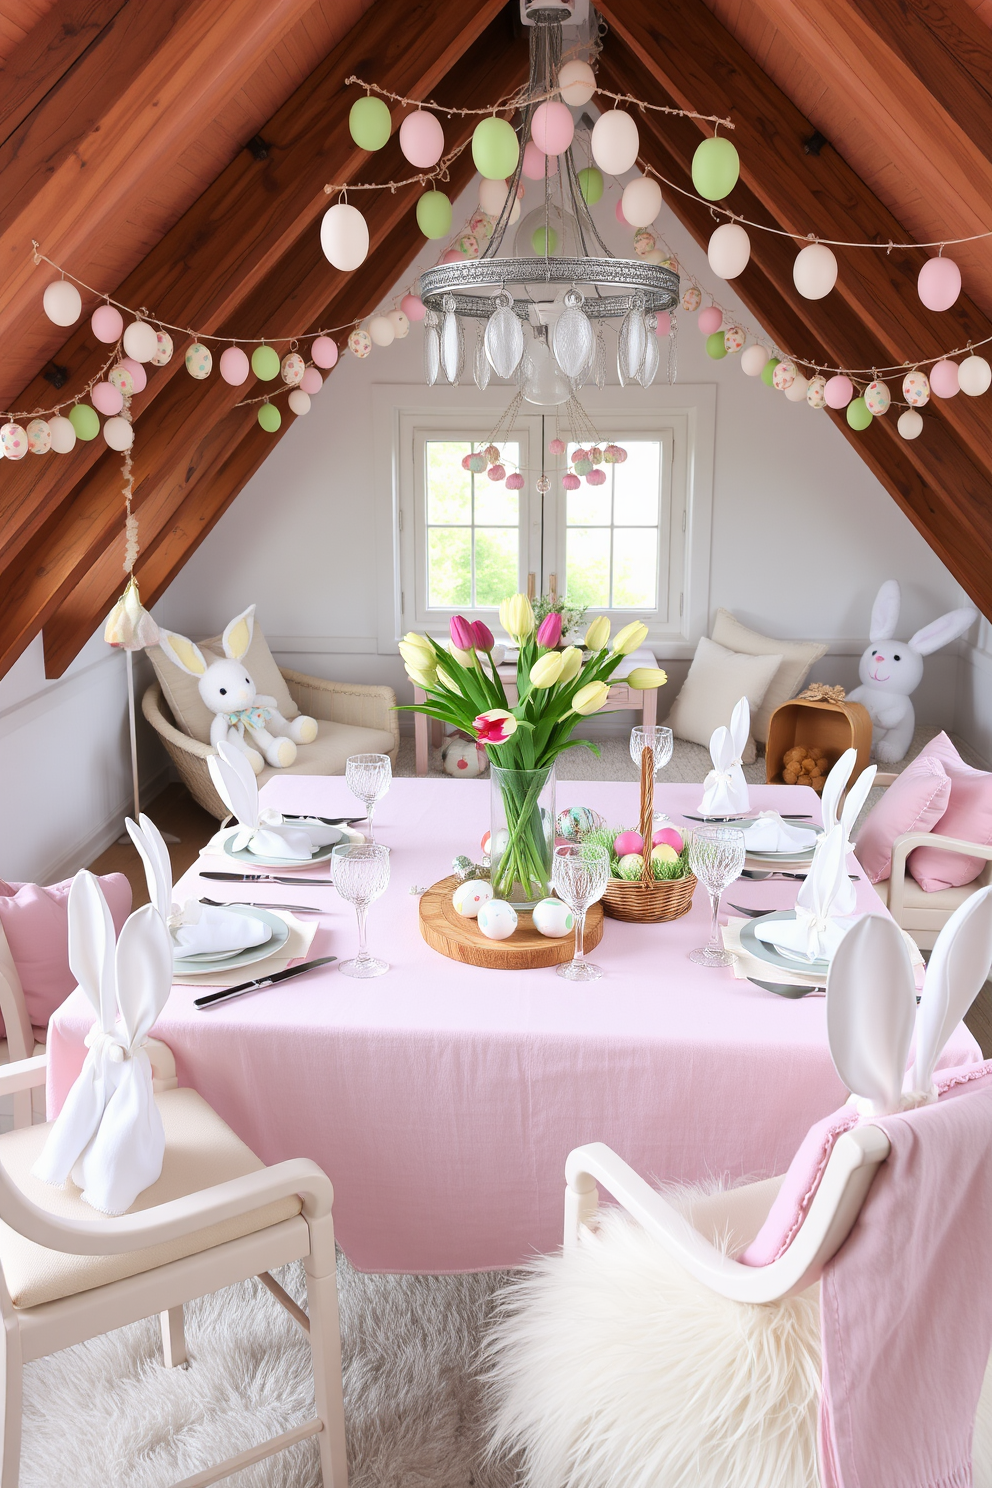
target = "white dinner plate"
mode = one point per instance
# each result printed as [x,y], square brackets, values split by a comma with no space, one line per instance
[320,854]
[199,964]
[784,959]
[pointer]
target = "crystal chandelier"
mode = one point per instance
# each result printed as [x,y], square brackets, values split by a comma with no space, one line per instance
[546,288]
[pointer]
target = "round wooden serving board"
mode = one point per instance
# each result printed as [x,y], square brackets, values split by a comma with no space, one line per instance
[459,938]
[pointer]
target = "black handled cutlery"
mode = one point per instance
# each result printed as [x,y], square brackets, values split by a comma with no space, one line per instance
[268,981]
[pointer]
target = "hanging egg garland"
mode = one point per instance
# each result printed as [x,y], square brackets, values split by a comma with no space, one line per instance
[814,271]
[858,414]
[734,337]
[576,83]
[816,392]
[140,341]
[63,434]
[910,424]
[106,398]
[729,250]
[118,434]
[312,382]
[710,320]
[641,201]
[422,139]
[360,343]
[324,351]
[293,368]
[84,420]
[199,361]
[552,128]
[400,324]
[434,214]
[139,377]
[591,185]
[797,390]
[944,379]
[692,299]
[299,402]
[381,331]
[344,237]
[784,375]
[839,391]
[939,283]
[615,143]
[768,371]
[39,436]
[495,149]
[974,376]
[122,378]
[716,346]
[754,359]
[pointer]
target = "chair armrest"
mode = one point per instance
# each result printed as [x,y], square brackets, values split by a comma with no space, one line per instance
[24,1074]
[367,705]
[151,707]
[904,845]
[885,777]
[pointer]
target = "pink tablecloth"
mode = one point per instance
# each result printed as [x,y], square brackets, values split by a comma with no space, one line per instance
[442,1100]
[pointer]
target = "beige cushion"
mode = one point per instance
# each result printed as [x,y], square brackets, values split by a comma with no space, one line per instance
[923,911]
[200,1150]
[183,695]
[797,658]
[717,681]
[331,748]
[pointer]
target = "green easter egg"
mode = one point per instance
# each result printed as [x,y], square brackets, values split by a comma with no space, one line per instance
[369,123]
[858,414]
[495,149]
[434,214]
[542,235]
[84,420]
[269,417]
[265,363]
[591,185]
[716,345]
[716,166]
[768,371]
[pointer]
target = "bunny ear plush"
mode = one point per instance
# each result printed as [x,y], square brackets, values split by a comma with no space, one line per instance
[871,1008]
[885,611]
[942,631]
[959,964]
[834,787]
[238,634]
[91,945]
[186,655]
[155,857]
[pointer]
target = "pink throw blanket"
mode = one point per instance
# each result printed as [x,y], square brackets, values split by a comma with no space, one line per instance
[906,1307]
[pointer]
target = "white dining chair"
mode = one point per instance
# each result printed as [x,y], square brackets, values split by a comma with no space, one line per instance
[216,1216]
[21,1041]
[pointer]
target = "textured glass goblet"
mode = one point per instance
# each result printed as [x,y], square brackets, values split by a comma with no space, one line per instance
[579,875]
[716,857]
[361,873]
[368,777]
[660,740]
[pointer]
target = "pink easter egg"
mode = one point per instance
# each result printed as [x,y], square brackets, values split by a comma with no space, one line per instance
[944,375]
[580,454]
[710,320]
[107,324]
[619,213]
[422,139]
[596,477]
[939,284]
[839,391]
[515,482]
[465,460]
[452,256]
[552,128]
[570,482]
[535,163]
[413,307]
[668,837]
[120,378]
[106,398]
[496,472]
[556,447]
[324,351]
[137,371]
[664,327]
[628,842]
[311,382]
[234,366]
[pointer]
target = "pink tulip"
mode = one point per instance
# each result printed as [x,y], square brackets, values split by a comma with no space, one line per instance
[494,727]
[461,632]
[549,630]
[482,637]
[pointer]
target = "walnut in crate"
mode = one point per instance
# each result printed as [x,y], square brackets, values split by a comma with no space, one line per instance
[805,764]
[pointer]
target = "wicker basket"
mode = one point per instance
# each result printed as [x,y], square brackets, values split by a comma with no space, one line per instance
[648,900]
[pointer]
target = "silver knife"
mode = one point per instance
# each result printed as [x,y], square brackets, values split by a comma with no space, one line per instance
[275,878]
[253,904]
[276,976]
[717,821]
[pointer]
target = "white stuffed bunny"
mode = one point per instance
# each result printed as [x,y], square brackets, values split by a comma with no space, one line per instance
[242,717]
[725,789]
[109,1134]
[891,672]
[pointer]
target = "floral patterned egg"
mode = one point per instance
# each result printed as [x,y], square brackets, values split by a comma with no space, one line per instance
[13,441]
[692,299]
[670,263]
[916,388]
[814,393]
[877,398]
[553,918]
[469,897]
[497,919]
[163,349]
[595,454]
[784,375]
[644,242]
[293,368]
[122,379]
[199,361]
[360,343]
[481,224]
[39,437]
[468,245]
[734,337]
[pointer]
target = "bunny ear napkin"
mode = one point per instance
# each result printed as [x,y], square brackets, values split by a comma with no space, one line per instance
[725,789]
[109,1133]
[825,905]
[959,964]
[261,831]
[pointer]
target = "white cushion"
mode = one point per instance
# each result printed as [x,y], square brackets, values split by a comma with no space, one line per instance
[797,658]
[183,694]
[717,681]
[924,911]
[331,748]
[200,1150]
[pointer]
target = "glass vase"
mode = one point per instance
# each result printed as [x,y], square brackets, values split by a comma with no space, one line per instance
[522,834]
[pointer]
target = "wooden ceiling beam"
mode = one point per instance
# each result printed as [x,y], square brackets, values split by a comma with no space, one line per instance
[46,53]
[205,268]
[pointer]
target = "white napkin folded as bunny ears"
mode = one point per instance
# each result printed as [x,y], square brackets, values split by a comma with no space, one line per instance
[196,929]
[769,833]
[834,787]
[262,832]
[725,789]
[109,1135]
[824,906]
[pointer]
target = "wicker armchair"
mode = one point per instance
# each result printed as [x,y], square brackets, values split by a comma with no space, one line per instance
[354,705]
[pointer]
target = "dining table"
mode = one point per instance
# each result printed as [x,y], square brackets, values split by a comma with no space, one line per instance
[442,1099]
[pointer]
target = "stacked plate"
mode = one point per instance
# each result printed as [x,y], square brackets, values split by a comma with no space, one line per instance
[790,961]
[204,961]
[319,854]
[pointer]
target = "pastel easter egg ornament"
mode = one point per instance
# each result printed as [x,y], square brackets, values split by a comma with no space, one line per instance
[944,381]
[293,368]
[199,361]
[106,398]
[877,398]
[910,424]
[164,348]
[916,388]
[138,375]
[63,434]
[591,185]
[265,363]
[576,83]
[14,441]
[369,123]
[492,196]
[784,375]
[551,127]
[641,201]
[62,303]
[839,391]
[729,250]
[753,360]
[816,392]
[615,143]
[434,214]
[716,346]
[497,920]
[939,283]
[381,330]
[360,343]
[299,402]
[107,324]
[552,918]
[858,414]
[974,376]
[269,417]
[710,320]
[140,341]
[39,436]
[469,897]
[733,338]
[119,434]
[324,351]
[814,271]
[84,420]
[400,323]
[422,139]
[312,382]
[344,237]
[234,366]
[797,390]
[495,149]
[692,298]
[716,167]
[768,371]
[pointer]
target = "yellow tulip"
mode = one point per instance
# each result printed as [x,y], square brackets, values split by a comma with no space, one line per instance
[420,642]
[628,639]
[590,699]
[546,671]
[516,616]
[446,681]
[426,680]
[415,656]
[642,679]
[598,633]
[467,658]
[571,663]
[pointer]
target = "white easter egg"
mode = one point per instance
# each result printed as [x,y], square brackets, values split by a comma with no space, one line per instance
[199,361]
[469,897]
[63,434]
[553,918]
[798,390]
[140,341]
[299,402]
[975,376]
[497,919]
[754,359]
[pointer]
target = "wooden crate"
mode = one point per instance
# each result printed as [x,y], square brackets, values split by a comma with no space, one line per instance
[833,727]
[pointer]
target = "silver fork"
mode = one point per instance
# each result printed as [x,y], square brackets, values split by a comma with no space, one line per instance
[249,904]
[759,875]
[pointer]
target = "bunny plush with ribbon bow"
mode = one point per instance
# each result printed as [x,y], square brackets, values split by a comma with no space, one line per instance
[108,1136]
[263,832]
[725,789]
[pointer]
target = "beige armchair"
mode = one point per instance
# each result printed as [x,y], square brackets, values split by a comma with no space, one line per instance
[354,719]
[923,915]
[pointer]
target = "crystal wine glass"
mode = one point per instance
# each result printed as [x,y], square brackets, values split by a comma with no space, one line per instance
[660,740]
[716,857]
[361,872]
[368,777]
[579,875]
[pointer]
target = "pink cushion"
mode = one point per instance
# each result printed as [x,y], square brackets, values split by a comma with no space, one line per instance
[914,802]
[968,815]
[35,921]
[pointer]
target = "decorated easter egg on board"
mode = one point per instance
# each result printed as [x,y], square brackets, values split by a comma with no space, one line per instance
[552,918]
[39,436]
[916,388]
[816,392]
[628,842]
[121,378]
[669,837]
[360,343]
[199,361]
[877,398]
[14,441]
[163,349]
[497,919]
[692,299]
[293,368]
[469,897]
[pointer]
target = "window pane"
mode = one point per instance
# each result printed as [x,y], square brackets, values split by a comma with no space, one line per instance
[637,482]
[495,506]
[635,568]
[496,564]
[589,505]
[449,566]
[449,487]
[587,566]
